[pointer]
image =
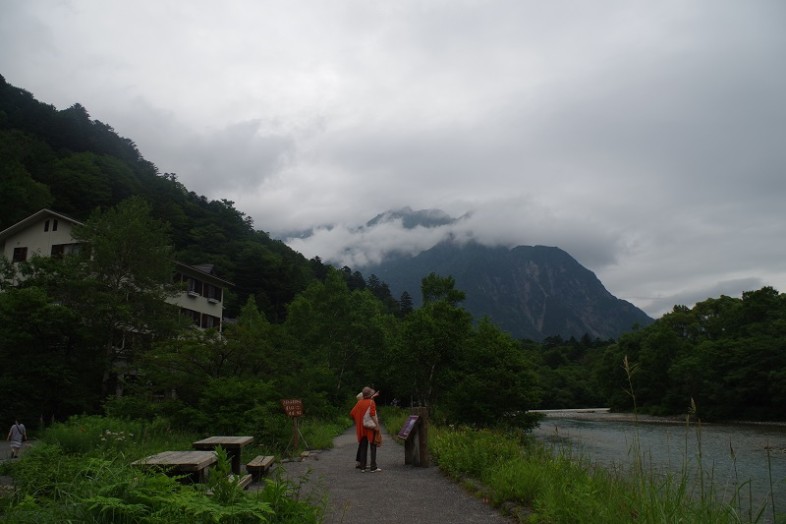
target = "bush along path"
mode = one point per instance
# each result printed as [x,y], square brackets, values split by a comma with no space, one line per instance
[398,493]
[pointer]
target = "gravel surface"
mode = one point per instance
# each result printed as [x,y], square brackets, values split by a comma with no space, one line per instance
[397,494]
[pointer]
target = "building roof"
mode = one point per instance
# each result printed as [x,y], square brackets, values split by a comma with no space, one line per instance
[32,219]
[204,271]
[200,270]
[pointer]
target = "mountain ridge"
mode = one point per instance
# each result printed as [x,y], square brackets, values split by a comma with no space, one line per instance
[532,292]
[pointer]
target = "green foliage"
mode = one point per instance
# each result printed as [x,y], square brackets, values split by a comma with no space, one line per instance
[539,485]
[473,453]
[130,408]
[54,484]
[338,330]
[288,504]
[723,354]
[38,331]
[435,288]
[226,402]
[431,338]
[566,372]
[20,190]
[494,383]
[319,434]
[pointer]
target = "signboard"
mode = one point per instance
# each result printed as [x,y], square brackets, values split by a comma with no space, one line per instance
[408,425]
[293,407]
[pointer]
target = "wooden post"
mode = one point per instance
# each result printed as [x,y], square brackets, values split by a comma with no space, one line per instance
[415,435]
[295,433]
[410,457]
[294,409]
[422,436]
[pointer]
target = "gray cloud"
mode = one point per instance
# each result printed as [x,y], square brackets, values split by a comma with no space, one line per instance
[646,139]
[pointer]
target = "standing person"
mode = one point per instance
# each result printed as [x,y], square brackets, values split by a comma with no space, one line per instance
[16,435]
[377,436]
[365,435]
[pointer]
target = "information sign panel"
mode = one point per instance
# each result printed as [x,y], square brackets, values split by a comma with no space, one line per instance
[408,425]
[293,407]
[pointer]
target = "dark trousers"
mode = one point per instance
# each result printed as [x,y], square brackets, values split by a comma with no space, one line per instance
[362,454]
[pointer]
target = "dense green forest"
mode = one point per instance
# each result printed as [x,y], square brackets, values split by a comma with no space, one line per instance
[301,328]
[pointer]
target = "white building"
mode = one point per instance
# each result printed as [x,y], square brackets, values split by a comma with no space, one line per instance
[48,234]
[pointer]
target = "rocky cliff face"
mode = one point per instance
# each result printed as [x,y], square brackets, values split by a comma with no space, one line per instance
[529,291]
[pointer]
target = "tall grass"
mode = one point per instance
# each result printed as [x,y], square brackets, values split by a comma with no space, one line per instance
[555,486]
[540,484]
[80,472]
[319,434]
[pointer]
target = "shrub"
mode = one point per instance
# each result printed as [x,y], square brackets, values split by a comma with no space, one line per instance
[463,452]
[131,408]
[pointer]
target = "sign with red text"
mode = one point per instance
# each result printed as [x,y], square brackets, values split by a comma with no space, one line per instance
[293,407]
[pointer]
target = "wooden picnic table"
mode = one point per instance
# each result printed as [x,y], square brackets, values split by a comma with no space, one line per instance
[193,463]
[232,445]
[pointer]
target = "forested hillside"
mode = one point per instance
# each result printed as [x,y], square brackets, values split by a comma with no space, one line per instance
[65,161]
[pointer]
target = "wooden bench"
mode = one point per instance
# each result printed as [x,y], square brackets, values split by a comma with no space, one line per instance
[193,464]
[260,465]
[233,446]
[243,481]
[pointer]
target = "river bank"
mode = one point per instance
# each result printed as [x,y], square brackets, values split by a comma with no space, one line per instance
[744,462]
[605,414]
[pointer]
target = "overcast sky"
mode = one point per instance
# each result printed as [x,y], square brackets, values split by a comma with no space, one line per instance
[645,138]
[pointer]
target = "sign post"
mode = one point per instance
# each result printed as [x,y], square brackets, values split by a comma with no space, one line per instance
[415,436]
[294,410]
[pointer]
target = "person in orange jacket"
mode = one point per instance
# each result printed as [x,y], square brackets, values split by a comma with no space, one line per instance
[365,428]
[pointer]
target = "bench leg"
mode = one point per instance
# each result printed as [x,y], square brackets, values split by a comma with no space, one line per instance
[235,462]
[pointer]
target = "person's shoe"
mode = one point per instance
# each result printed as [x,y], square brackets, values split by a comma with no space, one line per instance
[363,470]
[375,470]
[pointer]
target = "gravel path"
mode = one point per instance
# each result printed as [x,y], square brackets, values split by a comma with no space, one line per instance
[397,494]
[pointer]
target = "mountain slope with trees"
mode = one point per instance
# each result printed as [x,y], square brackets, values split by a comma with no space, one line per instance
[531,292]
[64,160]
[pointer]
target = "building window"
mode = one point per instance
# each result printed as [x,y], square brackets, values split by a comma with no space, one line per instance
[194,286]
[194,316]
[209,321]
[46,226]
[54,225]
[20,254]
[213,293]
[60,250]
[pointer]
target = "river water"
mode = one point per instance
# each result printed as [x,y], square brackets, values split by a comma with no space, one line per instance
[746,459]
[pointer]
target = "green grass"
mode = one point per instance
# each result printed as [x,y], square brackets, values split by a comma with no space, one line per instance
[541,485]
[538,484]
[320,434]
[80,472]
